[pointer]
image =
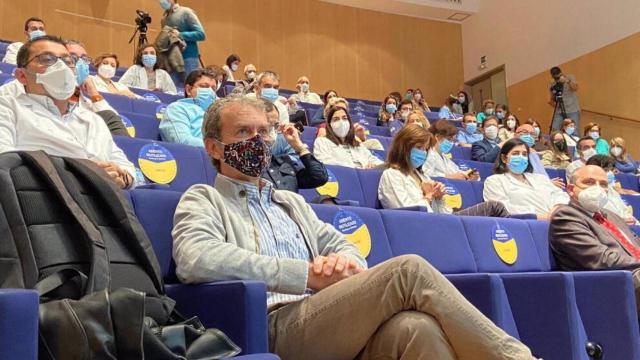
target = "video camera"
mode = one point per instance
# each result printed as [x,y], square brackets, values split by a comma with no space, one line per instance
[557,88]
[143,20]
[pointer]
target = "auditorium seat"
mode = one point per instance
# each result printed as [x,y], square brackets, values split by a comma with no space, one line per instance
[369,181]
[146,126]
[19,324]
[6,78]
[628,181]
[460,194]
[145,106]
[308,136]
[343,183]
[460,152]
[384,140]
[162,97]
[485,169]
[7,68]
[189,162]
[378,130]
[118,102]
[556,173]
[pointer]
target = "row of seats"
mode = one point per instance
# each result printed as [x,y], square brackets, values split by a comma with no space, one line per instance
[511,282]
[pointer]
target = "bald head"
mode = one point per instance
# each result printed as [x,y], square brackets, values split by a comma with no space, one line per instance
[585,177]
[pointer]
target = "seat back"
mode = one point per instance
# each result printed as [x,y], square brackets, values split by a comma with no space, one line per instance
[343,183]
[360,225]
[440,239]
[540,234]
[370,180]
[460,193]
[178,166]
[144,126]
[628,181]
[308,136]
[378,130]
[118,102]
[501,245]
[485,169]
[478,189]
[460,152]
[384,140]
[145,107]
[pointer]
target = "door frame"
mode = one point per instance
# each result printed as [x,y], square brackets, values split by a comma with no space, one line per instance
[487,75]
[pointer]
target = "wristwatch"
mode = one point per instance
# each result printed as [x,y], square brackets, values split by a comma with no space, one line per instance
[96,98]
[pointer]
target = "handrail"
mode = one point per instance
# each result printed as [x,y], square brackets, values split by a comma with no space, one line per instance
[612,115]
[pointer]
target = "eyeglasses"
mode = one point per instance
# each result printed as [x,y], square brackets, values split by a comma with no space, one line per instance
[84,58]
[48,59]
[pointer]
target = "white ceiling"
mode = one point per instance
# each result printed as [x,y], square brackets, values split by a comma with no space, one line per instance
[441,10]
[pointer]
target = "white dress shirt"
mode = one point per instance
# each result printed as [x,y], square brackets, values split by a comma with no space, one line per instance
[309,97]
[10,56]
[15,88]
[136,76]
[538,196]
[571,168]
[438,165]
[616,205]
[102,85]
[33,122]
[398,190]
[329,153]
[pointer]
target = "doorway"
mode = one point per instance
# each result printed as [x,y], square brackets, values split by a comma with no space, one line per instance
[492,85]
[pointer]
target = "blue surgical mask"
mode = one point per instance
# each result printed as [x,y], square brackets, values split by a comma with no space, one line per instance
[528,139]
[594,135]
[391,108]
[36,34]
[611,177]
[418,157]
[149,60]
[500,115]
[165,4]
[518,164]
[446,146]
[205,97]
[537,130]
[82,71]
[270,94]
[471,127]
[570,130]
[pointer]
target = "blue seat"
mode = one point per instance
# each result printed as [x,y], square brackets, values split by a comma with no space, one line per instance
[343,183]
[378,130]
[209,170]
[189,160]
[118,102]
[309,108]
[462,153]
[239,308]
[485,169]
[163,97]
[3,46]
[145,107]
[369,180]
[19,324]
[556,173]
[384,140]
[308,136]
[460,193]
[440,239]
[380,250]
[7,68]
[146,126]
[628,181]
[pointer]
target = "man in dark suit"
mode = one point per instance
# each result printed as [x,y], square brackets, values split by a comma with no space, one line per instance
[585,236]
[487,149]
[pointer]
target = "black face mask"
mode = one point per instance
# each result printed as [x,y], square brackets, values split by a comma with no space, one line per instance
[560,145]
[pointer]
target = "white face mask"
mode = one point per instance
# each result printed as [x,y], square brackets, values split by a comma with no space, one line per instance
[251,75]
[491,132]
[616,151]
[106,71]
[304,87]
[592,198]
[489,111]
[58,80]
[587,154]
[341,128]
[404,114]
[511,124]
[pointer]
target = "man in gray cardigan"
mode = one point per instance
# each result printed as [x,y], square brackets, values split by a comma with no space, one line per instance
[323,303]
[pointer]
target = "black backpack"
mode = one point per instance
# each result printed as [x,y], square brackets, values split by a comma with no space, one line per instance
[69,232]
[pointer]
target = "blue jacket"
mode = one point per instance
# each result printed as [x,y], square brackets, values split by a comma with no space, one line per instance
[485,151]
[182,123]
[628,167]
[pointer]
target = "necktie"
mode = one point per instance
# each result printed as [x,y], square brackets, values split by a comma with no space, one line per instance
[615,231]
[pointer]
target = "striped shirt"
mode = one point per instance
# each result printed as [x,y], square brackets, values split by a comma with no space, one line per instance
[279,235]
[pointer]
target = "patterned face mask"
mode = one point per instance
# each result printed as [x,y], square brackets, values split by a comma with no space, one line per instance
[249,156]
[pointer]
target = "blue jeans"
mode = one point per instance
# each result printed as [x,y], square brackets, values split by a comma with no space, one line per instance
[190,64]
[558,119]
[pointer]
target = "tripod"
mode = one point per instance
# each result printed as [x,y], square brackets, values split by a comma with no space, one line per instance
[563,112]
[142,39]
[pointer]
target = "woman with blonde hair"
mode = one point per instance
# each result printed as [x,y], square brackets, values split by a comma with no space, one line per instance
[417,117]
[419,102]
[624,162]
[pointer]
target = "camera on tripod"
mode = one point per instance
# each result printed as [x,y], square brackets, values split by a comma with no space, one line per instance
[557,88]
[143,20]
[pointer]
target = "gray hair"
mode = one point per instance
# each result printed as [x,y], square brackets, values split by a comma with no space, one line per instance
[212,123]
[267,74]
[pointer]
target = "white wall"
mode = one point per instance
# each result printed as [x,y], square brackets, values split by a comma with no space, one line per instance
[531,36]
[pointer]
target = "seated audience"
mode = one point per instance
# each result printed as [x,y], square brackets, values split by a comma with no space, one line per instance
[146,72]
[33,28]
[614,201]
[419,102]
[508,130]
[469,133]
[488,108]
[569,132]
[231,66]
[501,112]
[487,149]
[518,188]
[584,235]
[439,163]
[558,154]
[539,143]
[312,273]
[292,166]
[403,184]
[464,104]
[623,161]
[585,149]
[304,94]
[250,74]
[267,87]
[388,111]
[339,146]
[43,119]
[593,130]
[107,65]
[318,117]
[417,117]
[447,110]
[182,121]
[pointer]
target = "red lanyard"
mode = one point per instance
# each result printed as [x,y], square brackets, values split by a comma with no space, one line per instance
[622,239]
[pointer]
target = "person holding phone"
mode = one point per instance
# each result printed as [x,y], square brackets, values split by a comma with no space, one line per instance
[439,163]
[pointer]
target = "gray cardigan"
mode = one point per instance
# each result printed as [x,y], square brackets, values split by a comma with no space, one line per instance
[215,238]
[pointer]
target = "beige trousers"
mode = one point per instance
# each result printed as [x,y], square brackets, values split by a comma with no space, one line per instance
[400,309]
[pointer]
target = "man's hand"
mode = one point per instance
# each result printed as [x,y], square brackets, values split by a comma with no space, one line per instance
[292,135]
[118,174]
[327,270]
[88,87]
[558,183]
